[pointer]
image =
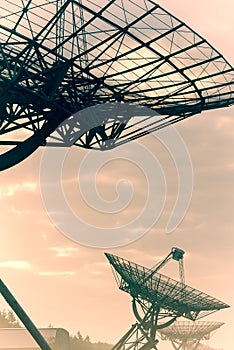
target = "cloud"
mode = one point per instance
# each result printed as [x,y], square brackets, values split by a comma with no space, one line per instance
[15,264]
[57,273]
[11,189]
[64,251]
[21,212]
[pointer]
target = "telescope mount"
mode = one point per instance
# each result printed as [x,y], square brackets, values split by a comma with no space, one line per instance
[157,300]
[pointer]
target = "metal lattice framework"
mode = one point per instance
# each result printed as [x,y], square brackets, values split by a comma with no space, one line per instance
[158,300]
[58,57]
[187,335]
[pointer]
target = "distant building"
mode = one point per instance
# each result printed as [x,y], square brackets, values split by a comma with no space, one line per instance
[21,339]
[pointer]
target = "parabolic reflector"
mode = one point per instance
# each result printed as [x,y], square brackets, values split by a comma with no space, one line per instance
[162,291]
[58,57]
[186,330]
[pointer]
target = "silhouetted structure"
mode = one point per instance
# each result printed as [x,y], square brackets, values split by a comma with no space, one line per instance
[24,318]
[21,339]
[59,57]
[185,335]
[157,300]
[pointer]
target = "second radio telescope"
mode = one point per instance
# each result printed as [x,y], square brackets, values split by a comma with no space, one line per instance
[187,335]
[58,57]
[158,300]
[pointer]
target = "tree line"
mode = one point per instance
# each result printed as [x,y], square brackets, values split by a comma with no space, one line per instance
[77,342]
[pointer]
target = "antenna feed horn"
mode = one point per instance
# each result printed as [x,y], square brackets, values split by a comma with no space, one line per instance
[177,253]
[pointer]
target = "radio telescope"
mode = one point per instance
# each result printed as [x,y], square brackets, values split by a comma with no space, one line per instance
[157,300]
[187,335]
[59,57]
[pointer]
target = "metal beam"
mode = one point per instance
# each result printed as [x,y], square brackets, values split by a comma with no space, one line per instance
[10,299]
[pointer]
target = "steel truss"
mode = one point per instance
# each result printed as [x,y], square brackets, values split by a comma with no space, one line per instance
[157,301]
[58,57]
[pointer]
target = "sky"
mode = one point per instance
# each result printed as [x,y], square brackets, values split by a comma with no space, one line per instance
[66,284]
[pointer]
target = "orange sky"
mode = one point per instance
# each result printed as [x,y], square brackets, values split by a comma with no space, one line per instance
[61,282]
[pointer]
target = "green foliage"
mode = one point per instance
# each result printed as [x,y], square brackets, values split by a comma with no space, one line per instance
[8,320]
[77,342]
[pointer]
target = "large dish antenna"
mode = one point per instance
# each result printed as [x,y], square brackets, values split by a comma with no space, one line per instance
[187,335]
[157,300]
[58,57]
